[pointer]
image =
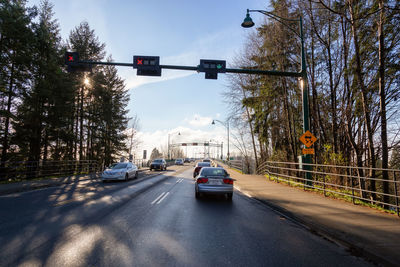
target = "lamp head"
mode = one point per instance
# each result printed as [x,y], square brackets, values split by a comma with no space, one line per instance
[247,22]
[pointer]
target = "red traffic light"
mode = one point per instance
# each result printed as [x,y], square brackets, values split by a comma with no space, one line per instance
[147,65]
[71,58]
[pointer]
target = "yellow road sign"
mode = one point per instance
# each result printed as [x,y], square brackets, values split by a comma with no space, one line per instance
[308,151]
[308,139]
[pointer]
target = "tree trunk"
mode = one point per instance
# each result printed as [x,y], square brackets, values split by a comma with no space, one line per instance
[382,94]
[4,155]
[81,126]
[367,113]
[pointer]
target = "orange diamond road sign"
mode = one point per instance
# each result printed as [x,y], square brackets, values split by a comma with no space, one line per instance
[308,151]
[308,139]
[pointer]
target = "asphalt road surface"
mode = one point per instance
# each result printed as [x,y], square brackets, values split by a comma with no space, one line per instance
[154,222]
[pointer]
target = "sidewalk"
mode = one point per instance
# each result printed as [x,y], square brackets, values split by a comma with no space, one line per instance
[372,233]
[23,186]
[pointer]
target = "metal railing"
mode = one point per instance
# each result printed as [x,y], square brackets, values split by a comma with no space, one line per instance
[350,183]
[246,167]
[23,170]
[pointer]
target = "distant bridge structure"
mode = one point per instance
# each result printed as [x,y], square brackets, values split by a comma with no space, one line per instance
[206,145]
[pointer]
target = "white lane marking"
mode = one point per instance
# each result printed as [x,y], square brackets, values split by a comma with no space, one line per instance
[181,180]
[243,192]
[247,194]
[155,200]
[163,198]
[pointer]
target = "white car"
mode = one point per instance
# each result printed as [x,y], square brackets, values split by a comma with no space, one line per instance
[120,171]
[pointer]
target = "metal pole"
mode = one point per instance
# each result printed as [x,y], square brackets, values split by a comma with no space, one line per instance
[352,186]
[395,192]
[222,150]
[306,122]
[227,122]
[168,148]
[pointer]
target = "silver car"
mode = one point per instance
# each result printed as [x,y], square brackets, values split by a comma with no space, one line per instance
[179,162]
[120,171]
[214,180]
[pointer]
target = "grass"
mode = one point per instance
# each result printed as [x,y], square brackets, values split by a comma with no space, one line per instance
[339,195]
[236,170]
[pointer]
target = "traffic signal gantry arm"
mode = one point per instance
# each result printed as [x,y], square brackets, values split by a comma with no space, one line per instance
[210,66]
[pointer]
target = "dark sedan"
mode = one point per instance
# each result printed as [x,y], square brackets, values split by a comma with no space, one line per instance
[158,164]
[198,167]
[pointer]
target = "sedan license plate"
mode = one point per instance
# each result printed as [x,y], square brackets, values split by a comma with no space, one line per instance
[214,181]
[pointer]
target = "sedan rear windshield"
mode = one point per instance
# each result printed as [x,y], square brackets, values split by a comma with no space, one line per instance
[120,166]
[157,161]
[213,172]
[203,164]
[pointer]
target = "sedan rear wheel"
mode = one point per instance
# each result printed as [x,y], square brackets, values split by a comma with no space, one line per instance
[197,194]
[229,196]
[136,174]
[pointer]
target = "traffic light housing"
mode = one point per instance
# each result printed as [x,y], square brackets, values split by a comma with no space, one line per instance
[147,65]
[73,63]
[212,67]
[71,58]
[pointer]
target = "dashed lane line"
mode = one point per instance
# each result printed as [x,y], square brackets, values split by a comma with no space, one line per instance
[160,196]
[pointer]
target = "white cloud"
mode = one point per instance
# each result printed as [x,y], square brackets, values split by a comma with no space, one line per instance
[199,121]
[133,81]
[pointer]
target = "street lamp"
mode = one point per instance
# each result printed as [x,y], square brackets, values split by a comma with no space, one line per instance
[226,124]
[247,23]
[169,154]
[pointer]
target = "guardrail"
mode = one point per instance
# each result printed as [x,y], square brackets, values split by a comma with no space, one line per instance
[339,181]
[245,167]
[22,170]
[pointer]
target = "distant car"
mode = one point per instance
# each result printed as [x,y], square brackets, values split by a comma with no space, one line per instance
[120,171]
[158,164]
[214,180]
[198,167]
[187,160]
[206,160]
[179,161]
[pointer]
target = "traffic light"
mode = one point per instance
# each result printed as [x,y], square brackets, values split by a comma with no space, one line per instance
[147,65]
[71,58]
[73,63]
[212,67]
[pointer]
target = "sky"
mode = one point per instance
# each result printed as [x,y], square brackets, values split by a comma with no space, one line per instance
[179,104]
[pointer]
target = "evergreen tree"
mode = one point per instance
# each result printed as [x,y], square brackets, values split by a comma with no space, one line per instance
[155,153]
[33,124]
[84,41]
[16,38]
[108,116]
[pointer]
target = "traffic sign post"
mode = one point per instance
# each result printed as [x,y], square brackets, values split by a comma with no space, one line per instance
[308,139]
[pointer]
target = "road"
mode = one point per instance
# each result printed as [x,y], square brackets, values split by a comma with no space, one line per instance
[154,222]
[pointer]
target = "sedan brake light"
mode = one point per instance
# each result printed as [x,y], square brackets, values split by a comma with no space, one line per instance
[228,181]
[202,180]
